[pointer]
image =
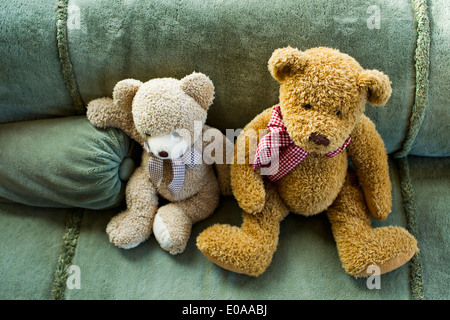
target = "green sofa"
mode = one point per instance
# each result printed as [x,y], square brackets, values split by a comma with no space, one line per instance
[61,179]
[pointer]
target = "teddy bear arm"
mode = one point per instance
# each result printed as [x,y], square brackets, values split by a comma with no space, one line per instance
[104,113]
[248,188]
[248,185]
[368,154]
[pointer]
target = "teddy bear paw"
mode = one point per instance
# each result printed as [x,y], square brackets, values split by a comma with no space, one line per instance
[162,234]
[172,229]
[128,231]
[388,248]
[234,249]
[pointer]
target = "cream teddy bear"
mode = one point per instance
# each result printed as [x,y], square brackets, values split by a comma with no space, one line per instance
[167,118]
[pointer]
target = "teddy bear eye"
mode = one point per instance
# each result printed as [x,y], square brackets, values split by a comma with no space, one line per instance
[176,134]
[148,134]
[337,112]
[308,106]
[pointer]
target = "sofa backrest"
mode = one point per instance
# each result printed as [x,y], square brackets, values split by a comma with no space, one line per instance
[55,59]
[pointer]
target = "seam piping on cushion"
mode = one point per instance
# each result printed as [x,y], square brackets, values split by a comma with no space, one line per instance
[416,283]
[422,63]
[63,53]
[68,247]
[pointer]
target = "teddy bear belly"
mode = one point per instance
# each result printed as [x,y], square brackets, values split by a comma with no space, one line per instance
[314,184]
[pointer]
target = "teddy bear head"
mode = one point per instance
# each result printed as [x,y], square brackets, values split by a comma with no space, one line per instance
[323,93]
[168,114]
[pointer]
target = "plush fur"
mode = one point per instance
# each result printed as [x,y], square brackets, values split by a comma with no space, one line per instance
[322,91]
[147,112]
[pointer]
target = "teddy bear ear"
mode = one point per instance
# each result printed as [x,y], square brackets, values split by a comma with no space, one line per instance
[378,86]
[200,87]
[286,61]
[124,92]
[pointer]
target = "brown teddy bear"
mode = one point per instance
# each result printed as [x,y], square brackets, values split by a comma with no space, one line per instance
[167,117]
[318,122]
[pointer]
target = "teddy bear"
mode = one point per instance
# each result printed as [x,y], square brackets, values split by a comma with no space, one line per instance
[167,118]
[301,165]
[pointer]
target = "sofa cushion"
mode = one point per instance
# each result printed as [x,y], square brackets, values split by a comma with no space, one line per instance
[30,240]
[306,264]
[231,42]
[31,83]
[101,42]
[430,182]
[63,162]
[432,138]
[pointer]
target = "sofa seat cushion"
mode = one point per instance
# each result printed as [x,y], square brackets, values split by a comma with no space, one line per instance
[30,240]
[305,266]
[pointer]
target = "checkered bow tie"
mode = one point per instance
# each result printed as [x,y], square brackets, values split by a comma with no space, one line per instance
[290,155]
[155,168]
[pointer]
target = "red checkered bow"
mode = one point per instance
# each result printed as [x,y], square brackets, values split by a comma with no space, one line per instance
[287,155]
[155,168]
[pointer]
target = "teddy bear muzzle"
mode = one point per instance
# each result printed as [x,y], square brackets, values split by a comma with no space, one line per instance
[319,139]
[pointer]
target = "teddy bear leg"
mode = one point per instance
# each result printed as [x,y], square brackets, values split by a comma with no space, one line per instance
[359,245]
[173,222]
[250,248]
[134,225]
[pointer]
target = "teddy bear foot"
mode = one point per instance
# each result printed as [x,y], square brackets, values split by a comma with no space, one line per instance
[127,231]
[247,249]
[162,233]
[235,250]
[172,229]
[388,265]
[388,248]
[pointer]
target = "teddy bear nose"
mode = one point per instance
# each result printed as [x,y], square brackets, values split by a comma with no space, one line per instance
[319,139]
[163,154]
